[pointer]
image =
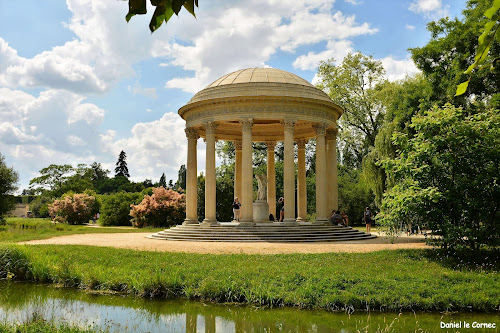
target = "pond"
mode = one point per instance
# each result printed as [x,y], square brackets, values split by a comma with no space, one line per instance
[20,302]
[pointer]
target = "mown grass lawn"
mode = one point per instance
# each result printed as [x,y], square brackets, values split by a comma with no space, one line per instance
[385,280]
[21,229]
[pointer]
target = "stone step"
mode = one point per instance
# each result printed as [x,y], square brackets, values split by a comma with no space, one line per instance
[264,232]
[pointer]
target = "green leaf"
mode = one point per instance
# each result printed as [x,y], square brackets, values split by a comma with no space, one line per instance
[136,7]
[161,14]
[177,5]
[489,13]
[189,5]
[462,88]
[487,29]
[471,68]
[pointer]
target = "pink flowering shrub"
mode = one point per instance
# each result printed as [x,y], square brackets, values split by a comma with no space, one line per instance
[73,207]
[163,208]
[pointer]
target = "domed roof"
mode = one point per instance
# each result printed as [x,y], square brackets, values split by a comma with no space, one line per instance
[258,82]
[259,75]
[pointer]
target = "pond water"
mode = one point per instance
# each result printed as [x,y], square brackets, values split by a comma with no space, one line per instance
[20,302]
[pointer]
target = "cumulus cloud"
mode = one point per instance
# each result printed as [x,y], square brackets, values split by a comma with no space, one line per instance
[334,49]
[433,9]
[398,69]
[410,27]
[241,37]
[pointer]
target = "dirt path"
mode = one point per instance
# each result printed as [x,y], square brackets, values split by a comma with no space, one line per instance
[138,241]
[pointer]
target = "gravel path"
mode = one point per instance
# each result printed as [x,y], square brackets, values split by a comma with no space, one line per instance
[138,241]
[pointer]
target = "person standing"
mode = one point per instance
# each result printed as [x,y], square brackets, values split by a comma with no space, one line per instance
[236,209]
[368,219]
[281,207]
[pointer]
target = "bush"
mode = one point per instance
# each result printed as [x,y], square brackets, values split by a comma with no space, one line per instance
[161,209]
[75,208]
[115,209]
[40,206]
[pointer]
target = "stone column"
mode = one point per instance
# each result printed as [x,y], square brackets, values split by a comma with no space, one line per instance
[237,169]
[301,181]
[289,174]
[321,178]
[246,174]
[210,218]
[333,188]
[271,178]
[191,178]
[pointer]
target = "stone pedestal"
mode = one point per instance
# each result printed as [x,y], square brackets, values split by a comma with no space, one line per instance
[260,211]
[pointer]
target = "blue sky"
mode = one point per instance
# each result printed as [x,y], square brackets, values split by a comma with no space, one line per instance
[78,84]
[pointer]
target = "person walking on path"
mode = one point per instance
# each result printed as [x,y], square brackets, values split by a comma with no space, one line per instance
[236,209]
[368,219]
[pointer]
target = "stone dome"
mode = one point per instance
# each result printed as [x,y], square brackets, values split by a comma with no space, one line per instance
[259,82]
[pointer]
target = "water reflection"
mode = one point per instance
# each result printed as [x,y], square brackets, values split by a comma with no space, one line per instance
[19,302]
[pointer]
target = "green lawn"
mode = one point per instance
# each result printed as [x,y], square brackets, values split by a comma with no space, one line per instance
[21,229]
[384,280]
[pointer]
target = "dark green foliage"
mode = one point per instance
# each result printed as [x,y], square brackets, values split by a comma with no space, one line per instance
[447,177]
[121,169]
[451,51]
[8,180]
[181,178]
[354,194]
[40,206]
[162,182]
[164,9]
[115,209]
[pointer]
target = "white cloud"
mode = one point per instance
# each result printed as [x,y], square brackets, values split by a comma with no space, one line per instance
[241,37]
[433,9]
[352,2]
[410,27]
[334,49]
[138,90]
[398,69]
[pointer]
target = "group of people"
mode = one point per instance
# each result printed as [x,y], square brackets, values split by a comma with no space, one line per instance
[337,217]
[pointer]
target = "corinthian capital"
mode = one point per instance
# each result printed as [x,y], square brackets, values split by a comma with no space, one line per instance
[246,124]
[191,133]
[237,144]
[301,143]
[210,127]
[320,128]
[289,125]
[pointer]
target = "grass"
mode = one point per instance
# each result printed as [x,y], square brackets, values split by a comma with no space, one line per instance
[385,280]
[21,229]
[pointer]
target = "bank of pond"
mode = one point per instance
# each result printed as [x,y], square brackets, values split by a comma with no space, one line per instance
[71,310]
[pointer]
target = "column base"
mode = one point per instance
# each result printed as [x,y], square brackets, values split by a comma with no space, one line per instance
[302,219]
[208,223]
[190,221]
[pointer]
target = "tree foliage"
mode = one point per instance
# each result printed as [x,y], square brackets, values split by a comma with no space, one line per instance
[451,51]
[357,84]
[121,165]
[447,177]
[8,180]
[115,208]
[164,9]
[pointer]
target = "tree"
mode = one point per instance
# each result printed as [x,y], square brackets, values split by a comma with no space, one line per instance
[447,177]
[451,51]
[163,181]
[98,172]
[8,180]
[181,180]
[357,85]
[163,11]
[121,165]
[52,178]
[115,209]
[490,31]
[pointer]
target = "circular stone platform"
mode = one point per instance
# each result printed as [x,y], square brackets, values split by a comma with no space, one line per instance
[262,232]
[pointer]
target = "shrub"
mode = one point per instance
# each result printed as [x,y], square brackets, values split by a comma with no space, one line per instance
[75,208]
[115,209]
[162,208]
[40,206]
